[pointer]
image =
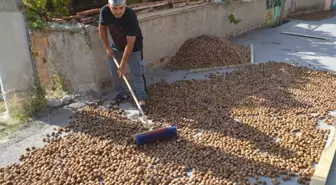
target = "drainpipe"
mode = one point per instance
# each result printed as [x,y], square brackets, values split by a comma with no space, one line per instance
[283,3]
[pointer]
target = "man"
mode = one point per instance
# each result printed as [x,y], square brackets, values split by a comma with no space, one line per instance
[126,47]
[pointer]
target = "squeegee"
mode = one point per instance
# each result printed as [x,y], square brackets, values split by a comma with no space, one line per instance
[155,135]
[151,135]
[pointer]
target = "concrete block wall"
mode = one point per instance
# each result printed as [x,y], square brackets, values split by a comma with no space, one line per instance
[165,33]
[78,55]
[308,5]
[293,7]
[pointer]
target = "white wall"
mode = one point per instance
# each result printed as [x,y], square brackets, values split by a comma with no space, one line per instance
[16,71]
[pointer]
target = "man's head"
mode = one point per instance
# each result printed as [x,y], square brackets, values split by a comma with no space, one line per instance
[117,7]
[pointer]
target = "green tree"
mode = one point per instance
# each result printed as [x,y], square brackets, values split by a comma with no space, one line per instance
[38,11]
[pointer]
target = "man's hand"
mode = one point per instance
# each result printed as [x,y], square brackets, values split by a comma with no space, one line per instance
[122,70]
[109,51]
[127,54]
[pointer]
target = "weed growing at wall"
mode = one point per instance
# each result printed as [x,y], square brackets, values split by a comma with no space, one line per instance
[39,11]
[231,17]
[25,107]
[59,87]
[2,106]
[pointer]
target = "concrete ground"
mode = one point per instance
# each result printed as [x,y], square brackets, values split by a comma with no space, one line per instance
[268,44]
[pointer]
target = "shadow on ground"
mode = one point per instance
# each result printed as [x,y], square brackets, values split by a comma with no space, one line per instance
[195,157]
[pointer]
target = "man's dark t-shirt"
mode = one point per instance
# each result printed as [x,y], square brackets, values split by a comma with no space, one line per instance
[127,25]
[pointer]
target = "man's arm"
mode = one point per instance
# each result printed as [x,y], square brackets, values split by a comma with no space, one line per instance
[128,49]
[103,31]
[131,33]
[103,35]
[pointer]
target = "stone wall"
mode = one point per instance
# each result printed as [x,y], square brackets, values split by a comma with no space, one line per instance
[77,54]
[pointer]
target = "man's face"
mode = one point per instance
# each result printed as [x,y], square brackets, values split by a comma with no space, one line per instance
[118,11]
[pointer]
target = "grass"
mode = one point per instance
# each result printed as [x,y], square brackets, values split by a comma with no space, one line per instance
[2,107]
[9,126]
[7,129]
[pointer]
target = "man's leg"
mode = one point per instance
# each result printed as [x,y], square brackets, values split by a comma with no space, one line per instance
[118,83]
[143,75]
[136,70]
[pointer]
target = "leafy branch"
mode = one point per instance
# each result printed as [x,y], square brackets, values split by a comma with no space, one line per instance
[231,17]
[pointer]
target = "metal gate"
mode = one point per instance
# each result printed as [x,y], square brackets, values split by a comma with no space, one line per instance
[333,4]
[273,3]
[274,9]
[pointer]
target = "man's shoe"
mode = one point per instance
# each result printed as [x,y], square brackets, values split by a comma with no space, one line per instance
[120,98]
[144,107]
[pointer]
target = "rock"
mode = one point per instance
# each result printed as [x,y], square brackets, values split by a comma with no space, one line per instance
[77,105]
[54,102]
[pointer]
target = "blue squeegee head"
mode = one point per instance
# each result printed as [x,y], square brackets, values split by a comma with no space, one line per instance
[155,135]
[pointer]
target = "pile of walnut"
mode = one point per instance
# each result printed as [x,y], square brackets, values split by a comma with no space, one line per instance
[209,51]
[261,121]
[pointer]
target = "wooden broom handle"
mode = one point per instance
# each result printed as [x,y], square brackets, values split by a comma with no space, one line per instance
[130,88]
